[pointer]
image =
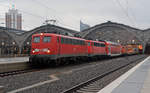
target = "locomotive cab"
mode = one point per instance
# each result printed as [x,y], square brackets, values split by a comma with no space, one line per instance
[44,47]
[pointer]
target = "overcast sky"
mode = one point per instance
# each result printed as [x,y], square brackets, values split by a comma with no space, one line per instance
[68,13]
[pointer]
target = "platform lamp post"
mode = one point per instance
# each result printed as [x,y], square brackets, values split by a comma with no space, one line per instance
[144,42]
[28,48]
[13,47]
[2,47]
[118,41]
[133,41]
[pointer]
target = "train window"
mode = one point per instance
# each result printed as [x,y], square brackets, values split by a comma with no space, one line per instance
[99,44]
[47,39]
[62,40]
[88,43]
[69,41]
[36,39]
[81,42]
[78,42]
[73,41]
[58,39]
[102,45]
[95,44]
[65,40]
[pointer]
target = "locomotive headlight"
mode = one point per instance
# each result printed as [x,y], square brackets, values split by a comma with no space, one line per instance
[33,51]
[48,51]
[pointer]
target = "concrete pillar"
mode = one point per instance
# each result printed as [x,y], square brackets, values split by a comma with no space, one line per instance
[144,46]
[20,49]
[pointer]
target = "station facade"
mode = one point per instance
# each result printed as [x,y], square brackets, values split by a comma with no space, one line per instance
[13,42]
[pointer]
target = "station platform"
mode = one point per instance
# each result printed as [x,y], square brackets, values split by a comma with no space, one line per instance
[136,80]
[14,59]
[13,64]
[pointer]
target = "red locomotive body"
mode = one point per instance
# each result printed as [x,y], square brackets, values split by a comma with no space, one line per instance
[72,46]
[44,44]
[48,46]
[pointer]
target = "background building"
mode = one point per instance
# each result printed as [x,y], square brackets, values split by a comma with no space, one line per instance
[83,26]
[13,19]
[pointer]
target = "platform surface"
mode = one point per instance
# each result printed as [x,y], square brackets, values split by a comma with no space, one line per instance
[136,80]
[14,59]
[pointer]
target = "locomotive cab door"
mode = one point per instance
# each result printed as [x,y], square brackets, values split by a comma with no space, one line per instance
[58,46]
[89,48]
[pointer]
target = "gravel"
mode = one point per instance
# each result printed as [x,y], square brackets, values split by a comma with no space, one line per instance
[68,75]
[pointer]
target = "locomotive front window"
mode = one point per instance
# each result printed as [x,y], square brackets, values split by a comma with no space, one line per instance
[36,39]
[47,39]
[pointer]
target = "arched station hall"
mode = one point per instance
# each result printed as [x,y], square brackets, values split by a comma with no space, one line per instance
[118,33]
[14,41]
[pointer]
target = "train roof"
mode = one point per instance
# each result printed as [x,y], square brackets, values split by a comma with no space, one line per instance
[99,41]
[112,42]
[58,35]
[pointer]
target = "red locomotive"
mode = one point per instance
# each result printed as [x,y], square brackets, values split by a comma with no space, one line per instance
[48,47]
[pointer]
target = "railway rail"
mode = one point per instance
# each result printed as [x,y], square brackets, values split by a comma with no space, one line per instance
[13,69]
[26,69]
[4,74]
[92,85]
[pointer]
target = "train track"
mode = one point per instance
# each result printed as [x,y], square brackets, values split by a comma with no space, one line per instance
[4,74]
[11,73]
[16,72]
[92,85]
